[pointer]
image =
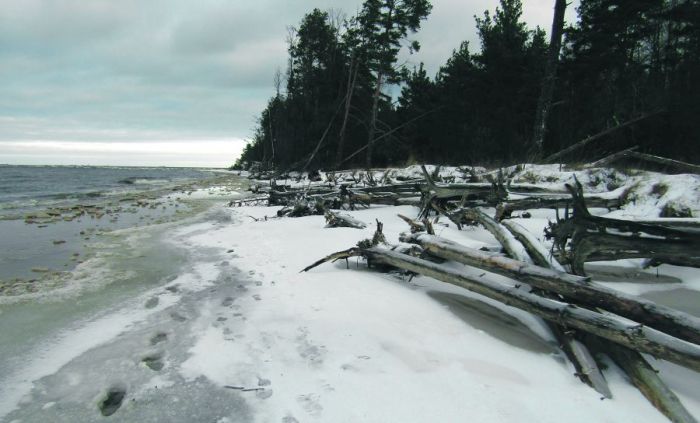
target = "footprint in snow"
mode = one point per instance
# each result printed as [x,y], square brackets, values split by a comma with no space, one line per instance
[158,338]
[154,362]
[311,403]
[314,354]
[112,401]
[152,302]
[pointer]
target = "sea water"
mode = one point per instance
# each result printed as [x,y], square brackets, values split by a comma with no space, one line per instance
[49,215]
[82,249]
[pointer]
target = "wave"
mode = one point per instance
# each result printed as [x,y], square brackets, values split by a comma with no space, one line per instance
[143,180]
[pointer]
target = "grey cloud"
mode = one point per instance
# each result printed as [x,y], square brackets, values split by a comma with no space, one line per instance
[158,69]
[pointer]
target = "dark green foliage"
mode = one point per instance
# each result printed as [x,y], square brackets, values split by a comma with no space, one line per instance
[484,103]
[622,59]
[382,25]
[626,58]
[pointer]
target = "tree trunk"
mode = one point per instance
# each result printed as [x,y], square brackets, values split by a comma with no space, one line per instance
[534,247]
[506,208]
[513,248]
[629,334]
[646,379]
[558,155]
[545,101]
[531,250]
[373,119]
[571,287]
[352,78]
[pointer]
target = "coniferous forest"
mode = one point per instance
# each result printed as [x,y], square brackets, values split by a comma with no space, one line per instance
[626,73]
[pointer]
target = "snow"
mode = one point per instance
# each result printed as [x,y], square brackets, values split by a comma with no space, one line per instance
[353,345]
[344,345]
[64,347]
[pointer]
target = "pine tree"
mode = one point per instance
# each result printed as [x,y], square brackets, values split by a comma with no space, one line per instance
[383,25]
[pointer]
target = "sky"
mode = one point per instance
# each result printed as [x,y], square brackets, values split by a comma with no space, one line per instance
[167,82]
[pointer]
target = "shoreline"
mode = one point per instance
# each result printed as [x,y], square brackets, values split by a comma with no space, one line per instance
[123,282]
[45,246]
[238,328]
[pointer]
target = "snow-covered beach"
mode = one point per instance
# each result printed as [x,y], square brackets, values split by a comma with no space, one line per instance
[238,334]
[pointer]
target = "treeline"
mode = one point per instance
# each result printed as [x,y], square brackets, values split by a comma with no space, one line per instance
[628,64]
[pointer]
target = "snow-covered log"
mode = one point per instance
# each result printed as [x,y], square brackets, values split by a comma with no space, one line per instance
[632,362]
[647,380]
[595,238]
[629,334]
[575,288]
[506,208]
[578,353]
[336,220]
[513,248]
[540,255]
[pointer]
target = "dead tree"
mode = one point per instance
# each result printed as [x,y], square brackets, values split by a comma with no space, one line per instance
[339,220]
[647,380]
[350,89]
[572,288]
[525,252]
[629,334]
[633,363]
[588,140]
[595,238]
[506,208]
[545,101]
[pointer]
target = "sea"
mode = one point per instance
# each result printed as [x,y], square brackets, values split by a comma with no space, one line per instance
[79,248]
[49,214]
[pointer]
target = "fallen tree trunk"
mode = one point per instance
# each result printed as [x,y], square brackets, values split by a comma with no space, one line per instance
[534,247]
[609,159]
[599,135]
[629,334]
[337,220]
[513,248]
[631,153]
[414,225]
[595,238]
[633,363]
[506,208]
[674,164]
[647,380]
[684,224]
[571,287]
[586,368]
[595,246]
[489,192]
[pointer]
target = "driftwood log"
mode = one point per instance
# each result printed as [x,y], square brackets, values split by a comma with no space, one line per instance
[511,245]
[338,220]
[526,252]
[631,153]
[573,288]
[577,350]
[641,374]
[506,208]
[629,334]
[647,380]
[595,238]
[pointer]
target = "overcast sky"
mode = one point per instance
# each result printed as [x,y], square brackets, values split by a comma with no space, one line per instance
[166,82]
